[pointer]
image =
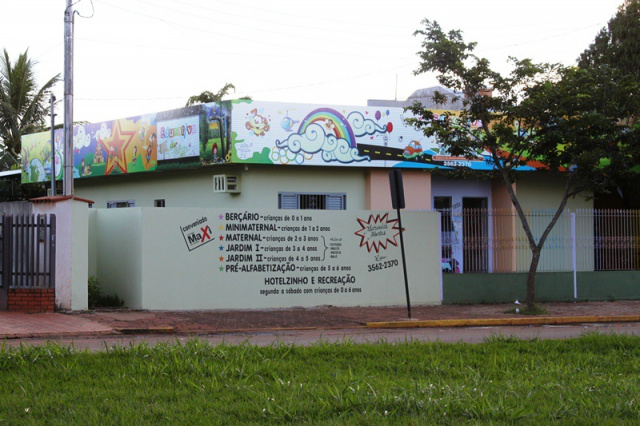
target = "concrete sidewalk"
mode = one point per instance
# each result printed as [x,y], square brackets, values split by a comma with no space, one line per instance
[15,325]
[19,325]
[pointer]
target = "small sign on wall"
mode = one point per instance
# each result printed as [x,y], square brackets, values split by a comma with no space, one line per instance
[197,233]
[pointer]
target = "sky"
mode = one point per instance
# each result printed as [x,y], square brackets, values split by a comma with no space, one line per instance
[134,57]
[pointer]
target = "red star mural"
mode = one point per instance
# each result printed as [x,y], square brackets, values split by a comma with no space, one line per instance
[115,147]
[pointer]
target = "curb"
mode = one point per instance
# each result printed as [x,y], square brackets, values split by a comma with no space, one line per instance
[146,330]
[55,335]
[199,332]
[483,322]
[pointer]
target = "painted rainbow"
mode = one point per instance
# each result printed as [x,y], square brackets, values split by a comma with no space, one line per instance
[333,123]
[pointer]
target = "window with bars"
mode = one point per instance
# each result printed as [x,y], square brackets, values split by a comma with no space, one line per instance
[307,201]
[119,204]
[443,205]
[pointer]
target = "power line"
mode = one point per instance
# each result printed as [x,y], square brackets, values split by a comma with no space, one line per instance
[254,41]
[321,83]
[285,13]
[133,99]
[539,39]
[300,86]
[271,23]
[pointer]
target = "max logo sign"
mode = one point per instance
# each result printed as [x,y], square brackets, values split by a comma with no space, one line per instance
[197,234]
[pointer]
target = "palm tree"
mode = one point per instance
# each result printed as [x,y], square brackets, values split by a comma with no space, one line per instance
[207,96]
[23,107]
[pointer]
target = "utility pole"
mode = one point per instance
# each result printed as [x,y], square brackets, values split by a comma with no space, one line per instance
[53,148]
[68,99]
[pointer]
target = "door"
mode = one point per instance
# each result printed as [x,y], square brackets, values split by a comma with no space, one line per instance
[475,234]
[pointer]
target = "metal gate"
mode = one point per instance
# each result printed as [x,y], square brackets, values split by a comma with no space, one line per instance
[28,253]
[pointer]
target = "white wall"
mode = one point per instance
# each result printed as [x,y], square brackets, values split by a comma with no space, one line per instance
[93,242]
[459,189]
[119,263]
[194,188]
[146,259]
[80,257]
[72,247]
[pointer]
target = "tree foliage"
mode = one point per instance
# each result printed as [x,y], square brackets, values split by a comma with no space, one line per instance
[23,106]
[207,96]
[554,119]
[12,190]
[618,44]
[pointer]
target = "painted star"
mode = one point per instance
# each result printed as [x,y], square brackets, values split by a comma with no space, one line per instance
[115,145]
[377,232]
[221,237]
[221,227]
[222,269]
[221,217]
[221,248]
[221,258]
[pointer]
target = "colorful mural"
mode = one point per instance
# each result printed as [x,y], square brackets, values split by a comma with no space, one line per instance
[36,156]
[245,131]
[182,138]
[301,134]
[116,147]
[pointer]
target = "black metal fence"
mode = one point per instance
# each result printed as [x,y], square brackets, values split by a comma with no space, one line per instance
[27,251]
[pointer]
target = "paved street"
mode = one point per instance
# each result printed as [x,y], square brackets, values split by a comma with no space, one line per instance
[359,335]
[96,330]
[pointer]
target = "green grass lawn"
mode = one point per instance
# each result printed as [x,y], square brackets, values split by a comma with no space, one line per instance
[593,380]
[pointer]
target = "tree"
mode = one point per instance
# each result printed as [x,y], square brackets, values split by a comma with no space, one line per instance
[618,46]
[560,120]
[23,106]
[207,96]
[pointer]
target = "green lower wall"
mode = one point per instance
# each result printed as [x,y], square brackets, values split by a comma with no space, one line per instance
[550,286]
[609,285]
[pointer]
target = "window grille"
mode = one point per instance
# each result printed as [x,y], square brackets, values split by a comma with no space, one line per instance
[120,204]
[308,201]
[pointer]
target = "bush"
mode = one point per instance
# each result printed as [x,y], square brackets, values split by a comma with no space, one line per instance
[99,300]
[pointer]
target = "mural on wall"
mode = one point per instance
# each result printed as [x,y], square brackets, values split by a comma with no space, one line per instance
[301,134]
[213,150]
[36,156]
[179,138]
[245,131]
[115,147]
[182,138]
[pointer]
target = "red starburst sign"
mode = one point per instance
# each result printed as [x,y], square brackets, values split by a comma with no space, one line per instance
[378,232]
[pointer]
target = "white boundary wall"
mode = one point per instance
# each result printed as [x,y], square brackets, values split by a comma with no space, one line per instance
[72,250]
[200,258]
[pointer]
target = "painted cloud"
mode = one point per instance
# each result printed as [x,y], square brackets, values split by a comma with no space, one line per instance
[300,147]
